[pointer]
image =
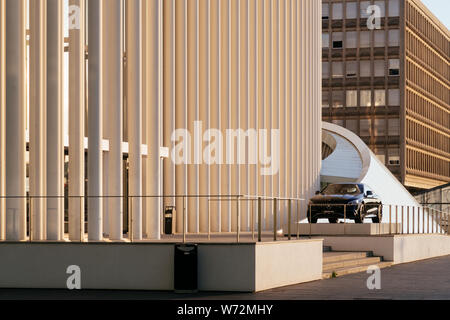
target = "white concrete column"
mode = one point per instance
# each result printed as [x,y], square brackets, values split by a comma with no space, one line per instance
[2,117]
[134,105]
[38,116]
[76,117]
[113,102]
[15,119]
[55,139]
[152,99]
[95,126]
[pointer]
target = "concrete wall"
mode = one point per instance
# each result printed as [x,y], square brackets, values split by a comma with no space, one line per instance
[143,266]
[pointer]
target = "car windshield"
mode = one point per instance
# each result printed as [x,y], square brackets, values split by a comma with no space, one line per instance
[341,189]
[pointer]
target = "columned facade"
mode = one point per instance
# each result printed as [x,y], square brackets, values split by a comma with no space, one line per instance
[168,98]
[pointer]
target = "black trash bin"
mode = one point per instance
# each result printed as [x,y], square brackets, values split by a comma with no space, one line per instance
[185,268]
[169,213]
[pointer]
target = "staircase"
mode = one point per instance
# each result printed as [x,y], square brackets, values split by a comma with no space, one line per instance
[336,264]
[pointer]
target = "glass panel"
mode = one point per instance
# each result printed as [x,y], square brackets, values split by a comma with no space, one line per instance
[394,67]
[380,127]
[351,39]
[379,38]
[338,99]
[325,102]
[338,122]
[394,8]
[325,40]
[352,125]
[394,127]
[338,40]
[325,11]
[352,98]
[352,68]
[394,38]
[381,5]
[365,39]
[394,97]
[325,70]
[337,10]
[379,68]
[365,69]
[338,69]
[365,127]
[363,6]
[351,10]
[380,98]
[366,98]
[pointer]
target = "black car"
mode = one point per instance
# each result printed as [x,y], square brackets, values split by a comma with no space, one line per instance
[350,200]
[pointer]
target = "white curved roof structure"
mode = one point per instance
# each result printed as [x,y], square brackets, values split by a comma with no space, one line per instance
[350,160]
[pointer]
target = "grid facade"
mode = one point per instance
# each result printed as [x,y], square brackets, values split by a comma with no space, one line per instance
[390,84]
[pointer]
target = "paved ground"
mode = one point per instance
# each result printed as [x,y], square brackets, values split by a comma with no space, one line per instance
[429,279]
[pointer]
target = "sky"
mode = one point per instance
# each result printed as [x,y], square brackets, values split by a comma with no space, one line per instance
[441,9]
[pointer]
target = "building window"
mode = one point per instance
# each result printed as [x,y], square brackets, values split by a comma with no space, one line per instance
[325,40]
[338,122]
[394,8]
[380,4]
[379,68]
[380,40]
[364,39]
[394,67]
[325,101]
[325,70]
[366,98]
[351,10]
[325,11]
[394,127]
[394,97]
[394,38]
[364,69]
[363,6]
[338,69]
[337,11]
[338,99]
[381,155]
[394,156]
[380,98]
[351,39]
[365,127]
[338,42]
[380,127]
[352,125]
[352,69]
[352,98]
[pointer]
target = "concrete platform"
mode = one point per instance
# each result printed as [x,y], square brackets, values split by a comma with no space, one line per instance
[366,229]
[395,248]
[222,266]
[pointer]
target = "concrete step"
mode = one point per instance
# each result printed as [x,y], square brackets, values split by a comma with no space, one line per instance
[349,270]
[335,256]
[350,263]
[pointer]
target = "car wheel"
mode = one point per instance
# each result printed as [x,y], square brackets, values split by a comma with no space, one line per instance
[332,220]
[359,218]
[379,216]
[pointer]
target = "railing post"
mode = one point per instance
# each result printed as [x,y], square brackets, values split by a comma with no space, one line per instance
[414,220]
[310,219]
[345,216]
[259,218]
[184,219]
[30,219]
[253,220]
[238,222]
[396,219]
[390,219]
[298,219]
[289,220]
[407,219]
[274,219]
[209,219]
[81,218]
[403,219]
[131,220]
